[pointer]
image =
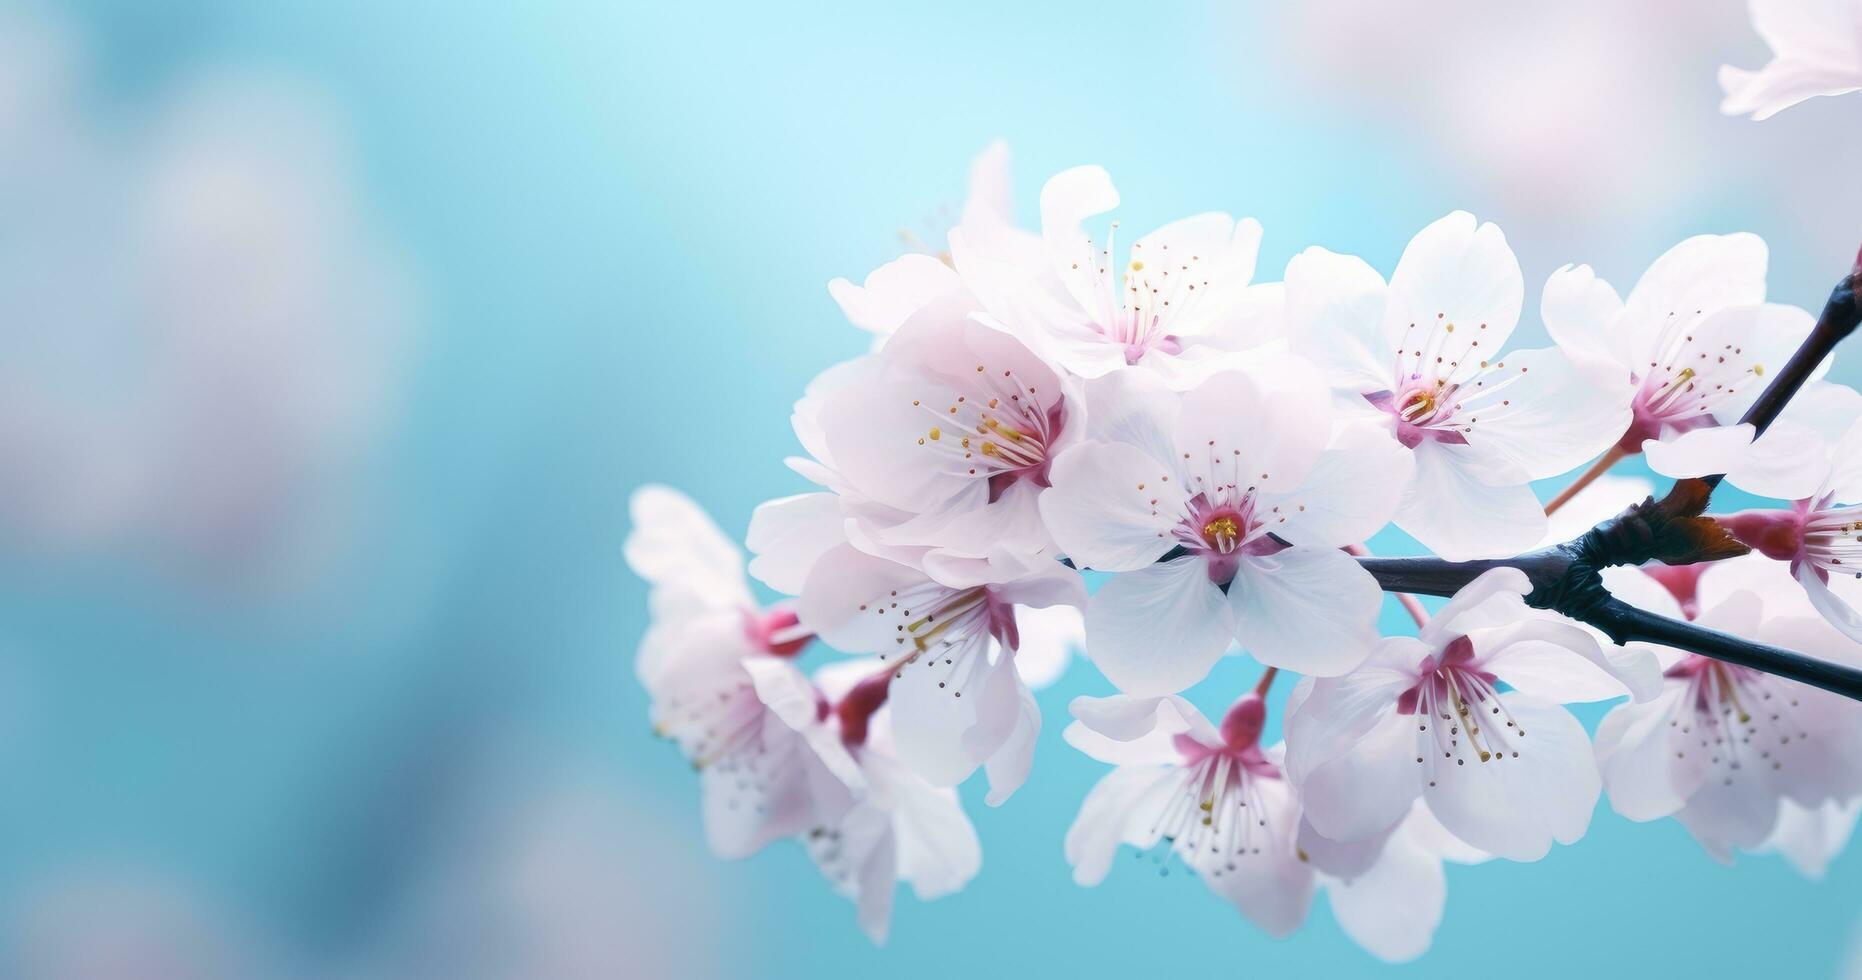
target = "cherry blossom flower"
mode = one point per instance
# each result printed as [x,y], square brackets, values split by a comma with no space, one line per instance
[1216,801]
[900,828]
[1820,536]
[1178,304]
[1725,748]
[705,655]
[1816,50]
[1509,772]
[1223,510]
[944,441]
[1689,350]
[958,700]
[1425,352]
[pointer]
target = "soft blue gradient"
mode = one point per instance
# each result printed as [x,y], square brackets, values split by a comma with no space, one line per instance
[622,218]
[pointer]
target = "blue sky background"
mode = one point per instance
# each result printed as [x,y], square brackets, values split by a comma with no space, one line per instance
[621,219]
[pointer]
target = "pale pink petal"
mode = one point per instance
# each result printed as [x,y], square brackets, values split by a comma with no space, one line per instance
[1454,272]
[1644,759]
[788,535]
[674,545]
[1516,806]
[1009,765]
[893,292]
[1128,731]
[1350,493]
[1554,659]
[1067,200]
[1112,507]
[1454,513]
[1553,414]
[1369,788]
[1695,277]
[1580,311]
[1264,426]
[1335,309]
[1159,629]
[1309,609]
[1326,717]
[1393,909]
[1273,888]
[1115,812]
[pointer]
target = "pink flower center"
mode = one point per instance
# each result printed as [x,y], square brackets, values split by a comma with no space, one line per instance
[1459,712]
[997,428]
[1741,720]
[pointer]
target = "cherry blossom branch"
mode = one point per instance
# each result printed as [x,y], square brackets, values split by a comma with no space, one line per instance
[1566,579]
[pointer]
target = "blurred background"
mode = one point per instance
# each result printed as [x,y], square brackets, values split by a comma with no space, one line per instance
[334,334]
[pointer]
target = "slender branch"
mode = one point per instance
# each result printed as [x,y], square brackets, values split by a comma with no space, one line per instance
[1597,469]
[1565,578]
[1626,622]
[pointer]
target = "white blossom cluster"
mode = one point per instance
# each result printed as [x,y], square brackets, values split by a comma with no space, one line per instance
[1222,448]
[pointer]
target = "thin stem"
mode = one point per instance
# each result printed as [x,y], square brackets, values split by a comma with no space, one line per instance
[1627,622]
[1267,681]
[1564,578]
[1597,469]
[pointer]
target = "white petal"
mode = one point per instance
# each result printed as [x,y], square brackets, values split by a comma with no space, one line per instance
[1159,629]
[992,190]
[1639,589]
[1067,200]
[1369,788]
[1496,597]
[1515,807]
[1580,312]
[846,600]
[937,845]
[1556,660]
[893,292]
[1555,413]
[1009,765]
[1335,309]
[1810,837]
[1309,609]
[1393,909]
[1123,799]
[1125,730]
[1454,513]
[674,545]
[1272,889]
[1454,272]
[1134,407]
[1101,510]
[1350,493]
[1840,614]
[1704,273]
[949,717]
[879,432]
[1264,426]
[1637,754]
[788,535]
[1326,717]
[1700,452]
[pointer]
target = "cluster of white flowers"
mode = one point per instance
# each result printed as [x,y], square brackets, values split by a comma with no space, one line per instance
[1221,448]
